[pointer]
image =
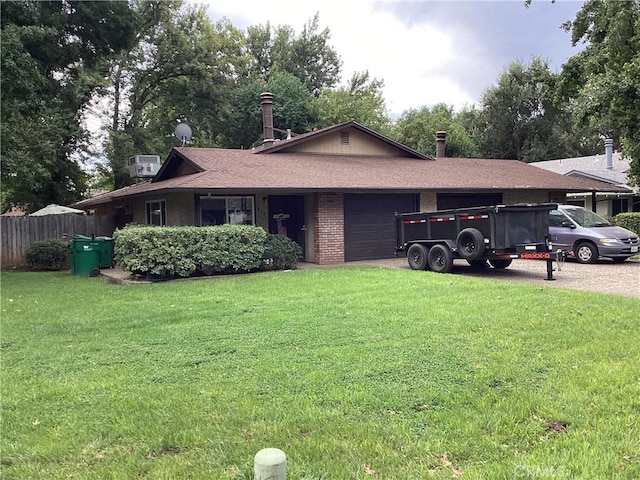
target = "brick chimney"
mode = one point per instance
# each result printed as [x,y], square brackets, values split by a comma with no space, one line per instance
[266,100]
[441,141]
[608,153]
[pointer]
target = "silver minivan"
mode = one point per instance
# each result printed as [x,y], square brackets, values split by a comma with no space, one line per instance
[590,236]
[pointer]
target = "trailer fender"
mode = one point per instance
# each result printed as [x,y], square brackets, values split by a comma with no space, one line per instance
[470,243]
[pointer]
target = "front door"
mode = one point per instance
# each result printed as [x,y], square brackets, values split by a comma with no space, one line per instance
[286,217]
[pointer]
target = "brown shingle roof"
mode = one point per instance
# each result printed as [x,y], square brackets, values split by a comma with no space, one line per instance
[244,170]
[273,168]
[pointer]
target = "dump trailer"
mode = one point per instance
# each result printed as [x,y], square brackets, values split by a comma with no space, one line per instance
[489,234]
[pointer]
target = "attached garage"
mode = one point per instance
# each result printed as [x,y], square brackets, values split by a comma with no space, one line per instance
[369,229]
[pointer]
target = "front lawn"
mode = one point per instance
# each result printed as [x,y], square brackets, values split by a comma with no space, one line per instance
[355,372]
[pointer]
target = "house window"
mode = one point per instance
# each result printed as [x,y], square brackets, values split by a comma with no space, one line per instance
[619,205]
[221,210]
[157,212]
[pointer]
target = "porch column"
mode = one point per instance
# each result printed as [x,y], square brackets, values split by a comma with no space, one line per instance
[329,228]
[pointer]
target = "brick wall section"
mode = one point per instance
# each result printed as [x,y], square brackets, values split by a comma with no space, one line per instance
[329,228]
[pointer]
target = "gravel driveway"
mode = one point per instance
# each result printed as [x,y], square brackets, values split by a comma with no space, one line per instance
[604,276]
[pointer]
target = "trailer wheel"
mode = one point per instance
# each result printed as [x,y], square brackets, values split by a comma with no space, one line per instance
[470,243]
[417,257]
[440,259]
[500,264]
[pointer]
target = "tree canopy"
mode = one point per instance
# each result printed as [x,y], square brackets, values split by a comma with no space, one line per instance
[360,100]
[307,56]
[417,129]
[53,59]
[603,80]
[521,117]
[179,67]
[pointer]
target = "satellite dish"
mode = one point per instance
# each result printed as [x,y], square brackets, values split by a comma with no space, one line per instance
[183,132]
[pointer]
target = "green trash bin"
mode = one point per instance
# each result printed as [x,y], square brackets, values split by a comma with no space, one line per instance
[105,247]
[84,256]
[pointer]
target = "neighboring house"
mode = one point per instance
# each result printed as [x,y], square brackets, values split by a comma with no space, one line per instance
[611,168]
[334,191]
[14,212]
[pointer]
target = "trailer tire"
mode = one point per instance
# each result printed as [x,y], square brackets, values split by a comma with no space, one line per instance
[440,259]
[499,263]
[417,255]
[470,243]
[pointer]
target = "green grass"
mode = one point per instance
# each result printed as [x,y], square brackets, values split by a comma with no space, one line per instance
[354,372]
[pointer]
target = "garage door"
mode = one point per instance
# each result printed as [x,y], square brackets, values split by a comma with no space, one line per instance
[369,230]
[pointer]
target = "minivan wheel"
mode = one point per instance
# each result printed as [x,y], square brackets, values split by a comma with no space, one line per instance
[586,252]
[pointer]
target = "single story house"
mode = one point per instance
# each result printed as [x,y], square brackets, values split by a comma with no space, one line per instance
[334,191]
[611,168]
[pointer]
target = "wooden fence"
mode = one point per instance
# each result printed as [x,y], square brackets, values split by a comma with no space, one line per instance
[17,233]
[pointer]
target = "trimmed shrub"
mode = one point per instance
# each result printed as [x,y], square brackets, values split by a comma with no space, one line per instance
[280,253]
[187,251]
[629,220]
[47,254]
[228,248]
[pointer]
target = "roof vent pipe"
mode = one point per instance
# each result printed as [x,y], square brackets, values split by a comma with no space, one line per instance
[266,100]
[441,141]
[608,152]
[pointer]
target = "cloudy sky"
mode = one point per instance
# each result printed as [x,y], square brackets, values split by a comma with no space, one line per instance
[426,51]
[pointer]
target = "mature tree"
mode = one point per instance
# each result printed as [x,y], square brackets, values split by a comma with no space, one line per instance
[521,117]
[417,129]
[53,59]
[179,67]
[292,109]
[360,100]
[603,80]
[307,56]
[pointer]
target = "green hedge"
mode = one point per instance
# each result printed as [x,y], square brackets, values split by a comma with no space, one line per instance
[280,253]
[47,254]
[189,251]
[630,221]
